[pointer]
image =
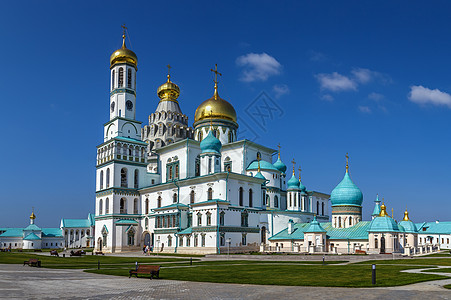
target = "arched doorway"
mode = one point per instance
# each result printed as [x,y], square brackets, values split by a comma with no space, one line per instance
[382,244]
[99,242]
[147,239]
[263,235]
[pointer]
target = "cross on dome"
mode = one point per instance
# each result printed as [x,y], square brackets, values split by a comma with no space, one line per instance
[216,80]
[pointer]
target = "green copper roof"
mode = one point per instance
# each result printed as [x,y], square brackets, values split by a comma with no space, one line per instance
[434,228]
[210,144]
[188,230]
[259,175]
[357,232]
[408,226]
[383,224]
[377,207]
[346,193]
[264,165]
[279,165]
[52,232]
[126,222]
[12,232]
[302,187]
[32,227]
[74,223]
[31,237]
[293,183]
[175,205]
[315,226]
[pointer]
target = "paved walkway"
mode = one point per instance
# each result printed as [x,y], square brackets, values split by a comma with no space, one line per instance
[18,282]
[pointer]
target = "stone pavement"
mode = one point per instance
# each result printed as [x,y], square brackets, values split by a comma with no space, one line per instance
[18,282]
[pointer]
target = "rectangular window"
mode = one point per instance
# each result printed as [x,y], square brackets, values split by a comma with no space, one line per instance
[243,239]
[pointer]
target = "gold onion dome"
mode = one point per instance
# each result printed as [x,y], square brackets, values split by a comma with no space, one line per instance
[123,55]
[32,216]
[215,108]
[168,90]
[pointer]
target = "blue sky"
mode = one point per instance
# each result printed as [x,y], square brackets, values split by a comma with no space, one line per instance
[367,78]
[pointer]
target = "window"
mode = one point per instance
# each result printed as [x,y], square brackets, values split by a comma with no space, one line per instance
[181,241]
[322,208]
[317,207]
[241,196]
[101,180]
[221,218]
[267,200]
[169,241]
[290,200]
[191,197]
[136,178]
[229,137]
[208,219]
[170,173]
[222,240]
[350,221]
[147,206]
[100,206]
[121,77]
[203,240]
[210,194]
[135,206]
[376,243]
[188,241]
[124,182]
[243,239]
[276,201]
[129,78]
[339,222]
[113,75]
[158,222]
[197,167]
[228,166]
[209,165]
[146,223]
[174,198]
[159,201]
[108,177]
[199,136]
[123,206]
[177,171]
[250,198]
[244,219]
[131,237]
[107,206]
[195,240]
[199,219]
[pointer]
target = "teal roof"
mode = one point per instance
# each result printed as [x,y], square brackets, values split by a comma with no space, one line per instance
[211,201]
[175,205]
[434,228]
[126,222]
[279,165]
[315,226]
[188,230]
[52,232]
[259,175]
[31,237]
[357,232]
[383,224]
[377,207]
[127,139]
[12,232]
[346,193]
[92,219]
[302,187]
[210,144]
[408,226]
[74,223]
[293,183]
[264,165]
[32,227]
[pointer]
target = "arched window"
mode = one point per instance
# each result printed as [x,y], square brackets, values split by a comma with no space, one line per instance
[135,206]
[101,180]
[174,197]
[129,78]
[244,219]
[131,237]
[191,197]
[124,182]
[123,206]
[208,219]
[250,198]
[100,206]
[210,194]
[107,206]
[221,218]
[199,219]
[322,208]
[108,177]
[113,77]
[376,243]
[267,200]
[136,178]
[199,136]
[290,199]
[160,129]
[159,202]
[197,166]
[121,77]
[241,196]
[350,221]
[339,222]
[170,173]
[176,171]
[229,136]
[147,206]
[276,201]
[317,207]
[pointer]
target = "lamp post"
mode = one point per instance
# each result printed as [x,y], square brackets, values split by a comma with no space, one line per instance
[229,240]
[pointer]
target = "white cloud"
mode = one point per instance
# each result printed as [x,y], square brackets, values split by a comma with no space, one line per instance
[363,75]
[336,82]
[327,97]
[365,109]
[421,95]
[258,67]
[280,90]
[376,96]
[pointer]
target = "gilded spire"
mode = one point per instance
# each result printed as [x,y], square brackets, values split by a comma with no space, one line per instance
[216,80]
[347,162]
[258,160]
[299,169]
[278,146]
[169,73]
[406,216]
[294,164]
[392,212]
[124,29]
[32,216]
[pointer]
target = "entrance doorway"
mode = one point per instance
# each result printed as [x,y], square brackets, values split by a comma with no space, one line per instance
[263,235]
[99,242]
[382,244]
[147,239]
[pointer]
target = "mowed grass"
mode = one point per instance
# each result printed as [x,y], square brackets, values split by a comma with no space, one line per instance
[412,261]
[83,262]
[289,274]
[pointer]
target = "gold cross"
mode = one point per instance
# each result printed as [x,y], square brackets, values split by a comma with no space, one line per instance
[216,73]
[278,146]
[169,72]
[299,169]
[124,28]
[347,161]
[294,163]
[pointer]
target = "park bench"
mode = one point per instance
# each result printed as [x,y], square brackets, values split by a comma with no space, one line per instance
[146,269]
[99,253]
[32,262]
[77,253]
[360,251]
[54,252]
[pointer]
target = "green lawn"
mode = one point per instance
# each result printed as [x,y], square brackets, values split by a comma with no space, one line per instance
[287,274]
[412,261]
[448,286]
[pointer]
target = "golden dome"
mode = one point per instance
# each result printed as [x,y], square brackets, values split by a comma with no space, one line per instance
[383,212]
[32,216]
[406,216]
[215,108]
[123,55]
[168,91]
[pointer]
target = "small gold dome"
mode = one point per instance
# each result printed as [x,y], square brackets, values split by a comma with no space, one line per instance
[215,108]
[168,91]
[406,216]
[123,55]
[32,216]
[383,212]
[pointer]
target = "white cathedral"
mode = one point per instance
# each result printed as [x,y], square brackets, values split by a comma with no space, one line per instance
[188,189]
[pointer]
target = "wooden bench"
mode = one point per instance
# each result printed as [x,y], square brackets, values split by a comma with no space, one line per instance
[146,269]
[54,252]
[32,262]
[360,251]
